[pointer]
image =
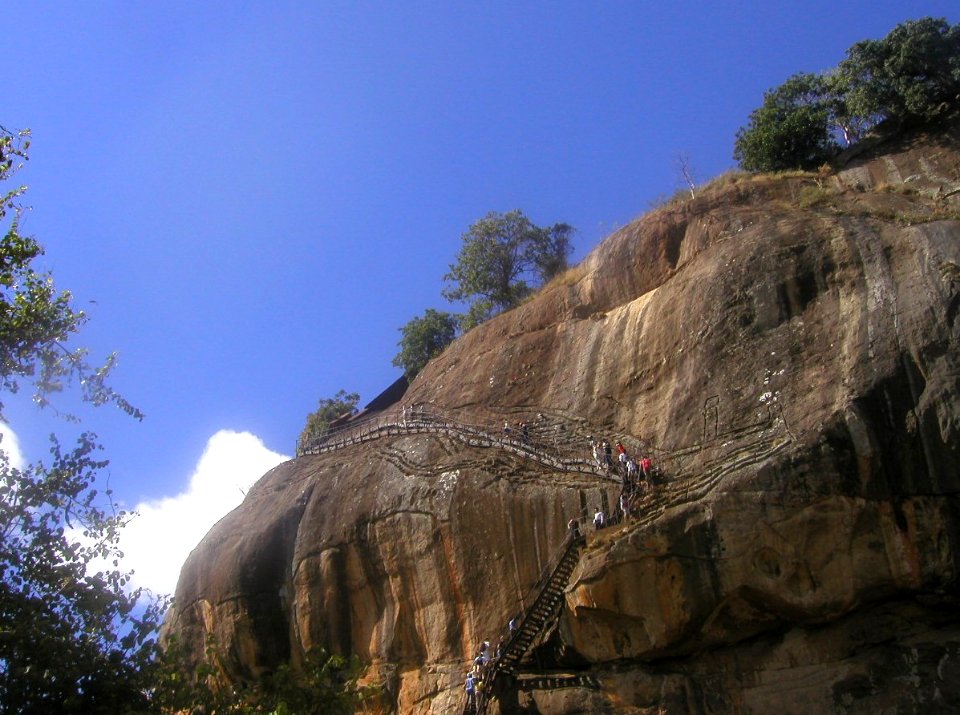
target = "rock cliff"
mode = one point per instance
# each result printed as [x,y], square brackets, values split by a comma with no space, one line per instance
[786,348]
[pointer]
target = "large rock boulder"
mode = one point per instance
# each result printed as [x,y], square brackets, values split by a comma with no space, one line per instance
[786,348]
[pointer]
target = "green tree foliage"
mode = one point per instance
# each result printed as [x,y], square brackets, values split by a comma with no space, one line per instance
[503,259]
[325,685]
[36,320]
[72,637]
[909,77]
[423,339]
[790,130]
[330,408]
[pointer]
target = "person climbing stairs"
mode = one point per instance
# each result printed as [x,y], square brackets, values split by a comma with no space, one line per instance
[541,612]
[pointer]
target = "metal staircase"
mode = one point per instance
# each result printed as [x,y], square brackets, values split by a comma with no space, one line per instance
[544,607]
[535,619]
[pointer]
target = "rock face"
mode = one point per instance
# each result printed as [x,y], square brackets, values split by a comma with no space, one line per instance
[786,348]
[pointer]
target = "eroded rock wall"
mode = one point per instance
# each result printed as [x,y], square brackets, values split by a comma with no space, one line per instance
[786,348]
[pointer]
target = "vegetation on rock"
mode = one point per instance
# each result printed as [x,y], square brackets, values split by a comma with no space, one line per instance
[799,391]
[325,684]
[503,259]
[909,77]
[423,338]
[342,404]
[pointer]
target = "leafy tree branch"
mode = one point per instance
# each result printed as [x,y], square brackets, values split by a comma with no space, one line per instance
[908,78]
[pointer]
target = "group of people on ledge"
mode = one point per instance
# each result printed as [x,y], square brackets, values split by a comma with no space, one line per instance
[637,477]
[629,469]
[518,430]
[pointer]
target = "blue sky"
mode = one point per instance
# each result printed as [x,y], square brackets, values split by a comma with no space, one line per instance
[251,198]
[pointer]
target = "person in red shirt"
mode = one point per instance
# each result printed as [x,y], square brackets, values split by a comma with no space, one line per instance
[645,468]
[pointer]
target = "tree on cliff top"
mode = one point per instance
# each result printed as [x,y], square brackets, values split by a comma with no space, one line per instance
[330,409]
[909,77]
[423,339]
[912,75]
[72,639]
[790,130]
[503,259]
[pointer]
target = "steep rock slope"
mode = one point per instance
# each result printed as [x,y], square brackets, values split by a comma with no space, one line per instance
[785,348]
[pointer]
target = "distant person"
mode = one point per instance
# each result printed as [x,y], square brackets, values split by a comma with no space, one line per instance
[573,526]
[645,468]
[598,454]
[486,652]
[607,455]
[598,519]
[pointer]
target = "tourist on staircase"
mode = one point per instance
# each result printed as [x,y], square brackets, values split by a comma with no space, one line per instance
[470,688]
[645,469]
[607,456]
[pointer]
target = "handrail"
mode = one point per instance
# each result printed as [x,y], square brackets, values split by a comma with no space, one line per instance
[571,543]
[674,493]
[421,418]
[572,540]
[530,596]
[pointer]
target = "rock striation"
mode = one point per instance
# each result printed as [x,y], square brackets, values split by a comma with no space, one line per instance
[785,348]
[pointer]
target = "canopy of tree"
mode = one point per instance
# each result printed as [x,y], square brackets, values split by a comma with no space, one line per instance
[423,339]
[330,409]
[36,320]
[911,76]
[503,259]
[73,638]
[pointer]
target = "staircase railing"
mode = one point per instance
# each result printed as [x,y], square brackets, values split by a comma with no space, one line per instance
[549,588]
[428,419]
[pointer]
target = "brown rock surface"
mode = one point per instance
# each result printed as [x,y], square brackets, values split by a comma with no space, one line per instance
[786,348]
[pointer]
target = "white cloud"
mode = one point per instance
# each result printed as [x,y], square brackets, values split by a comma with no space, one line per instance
[11,445]
[159,539]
